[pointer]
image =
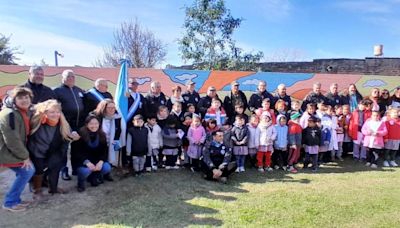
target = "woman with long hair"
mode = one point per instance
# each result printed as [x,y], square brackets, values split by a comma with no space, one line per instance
[48,144]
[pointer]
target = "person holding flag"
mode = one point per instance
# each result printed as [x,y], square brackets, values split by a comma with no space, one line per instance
[96,94]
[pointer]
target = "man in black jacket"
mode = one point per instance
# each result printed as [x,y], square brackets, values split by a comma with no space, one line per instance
[236,97]
[282,95]
[313,97]
[96,94]
[205,102]
[190,96]
[257,97]
[155,98]
[35,83]
[332,97]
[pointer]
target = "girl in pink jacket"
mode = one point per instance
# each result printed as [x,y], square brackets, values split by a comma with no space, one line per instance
[373,130]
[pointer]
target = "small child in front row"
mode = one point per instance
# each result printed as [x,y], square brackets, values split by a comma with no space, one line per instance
[357,120]
[254,138]
[295,133]
[281,143]
[137,144]
[155,143]
[266,145]
[172,140]
[196,136]
[311,138]
[392,139]
[341,122]
[240,138]
[374,130]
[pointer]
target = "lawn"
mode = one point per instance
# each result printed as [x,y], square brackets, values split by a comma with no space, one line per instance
[344,195]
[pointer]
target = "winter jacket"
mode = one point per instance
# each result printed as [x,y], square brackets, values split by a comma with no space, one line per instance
[271,112]
[170,138]
[231,100]
[281,141]
[71,100]
[254,136]
[91,100]
[257,98]
[370,128]
[82,152]
[240,134]
[190,98]
[311,136]
[213,114]
[155,139]
[355,125]
[40,92]
[295,133]
[393,128]
[312,98]
[194,135]
[286,98]
[334,99]
[137,142]
[12,137]
[215,154]
[140,107]
[267,134]
[153,102]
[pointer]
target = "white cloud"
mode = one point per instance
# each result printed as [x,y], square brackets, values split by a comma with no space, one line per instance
[374,83]
[186,77]
[251,82]
[143,80]
[37,44]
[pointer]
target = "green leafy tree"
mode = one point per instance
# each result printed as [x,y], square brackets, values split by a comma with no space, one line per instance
[7,53]
[207,40]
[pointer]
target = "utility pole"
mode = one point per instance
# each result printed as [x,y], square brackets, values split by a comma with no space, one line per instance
[56,54]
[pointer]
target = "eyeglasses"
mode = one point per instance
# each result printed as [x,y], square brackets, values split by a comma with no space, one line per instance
[385,93]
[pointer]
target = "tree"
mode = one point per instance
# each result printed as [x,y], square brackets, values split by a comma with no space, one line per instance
[7,53]
[137,44]
[208,41]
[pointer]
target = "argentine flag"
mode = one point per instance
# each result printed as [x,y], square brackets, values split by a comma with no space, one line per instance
[121,100]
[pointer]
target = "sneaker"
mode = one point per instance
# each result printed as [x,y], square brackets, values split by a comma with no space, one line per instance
[368,164]
[373,166]
[25,203]
[284,168]
[386,164]
[292,169]
[175,167]
[148,169]
[154,167]
[167,167]
[269,169]
[261,170]
[237,170]
[242,169]
[15,208]
[192,169]
[340,159]
[393,163]
[276,167]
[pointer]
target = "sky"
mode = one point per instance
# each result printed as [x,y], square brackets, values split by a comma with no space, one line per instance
[284,30]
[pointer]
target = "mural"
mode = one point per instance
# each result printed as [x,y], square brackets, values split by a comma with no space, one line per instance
[298,84]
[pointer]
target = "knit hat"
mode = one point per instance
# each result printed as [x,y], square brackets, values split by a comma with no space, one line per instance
[295,115]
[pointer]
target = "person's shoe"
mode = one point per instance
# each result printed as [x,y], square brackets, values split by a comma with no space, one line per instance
[223,180]
[154,167]
[269,169]
[373,166]
[25,203]
[314,170]
[237,170]
[261,169]
[64,174]
[175,167]
[276,167]
[58,191]
[292,169]
[192,169]
[368,164]
[81,187]
[167,167]
[15,208]
[242,169]
[108,177]
[393,163]
[284,168]
[148,169]
[386,164]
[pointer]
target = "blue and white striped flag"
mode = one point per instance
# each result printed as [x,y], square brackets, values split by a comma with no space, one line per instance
[121,100]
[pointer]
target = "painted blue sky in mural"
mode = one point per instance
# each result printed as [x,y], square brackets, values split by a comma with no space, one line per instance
[182,76]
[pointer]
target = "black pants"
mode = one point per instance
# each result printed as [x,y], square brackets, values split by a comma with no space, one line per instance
[150,161]
[52,171]
[194,163]
[347,148]
[280,157]
[209,171]
[170,160]
[313,158]
[373,155]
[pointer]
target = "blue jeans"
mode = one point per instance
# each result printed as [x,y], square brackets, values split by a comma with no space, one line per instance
[84,172]
[240,160]
[23,175]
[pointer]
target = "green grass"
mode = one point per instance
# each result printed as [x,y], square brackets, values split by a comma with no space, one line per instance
[350,195]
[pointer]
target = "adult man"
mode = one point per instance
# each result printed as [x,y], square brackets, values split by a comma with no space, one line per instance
[136,101]
[217,156]
[236,97]
[205,102]
[313,97]
[332,97]
[257,97]
[281,95]
[155,98]
[96,94]
[190,96]
[71,99]
[35,83]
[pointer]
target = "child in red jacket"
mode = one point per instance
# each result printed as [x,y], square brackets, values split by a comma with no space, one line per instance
[392,139]
[358,118]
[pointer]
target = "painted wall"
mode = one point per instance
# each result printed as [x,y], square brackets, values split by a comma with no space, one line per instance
[298,84]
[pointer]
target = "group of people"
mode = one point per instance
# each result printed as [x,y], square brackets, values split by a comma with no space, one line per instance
[39,127]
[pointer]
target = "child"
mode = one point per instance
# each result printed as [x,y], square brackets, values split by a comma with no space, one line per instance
[240,138]
[280,107]
[172,140]
[239,110]
[266,107]
[341,122]
[347,142]
[310,111]
[162,116]
[311,138]
[267,138]
[373,130]
[196,136]
[330,120]
[281,143]
[254,138]
[216,112]
[211,126]
[325,140]
[191,108]
[357,119]
[177,113]
[295,107]
[137,144]
[155,143]
[392,139]
[295,133]
[226,128]
[185,142]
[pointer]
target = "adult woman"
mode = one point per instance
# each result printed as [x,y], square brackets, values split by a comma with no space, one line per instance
[90,154]
[396,98]
[48,145]
[176,97]
[110,124]
[384,101]
[352,97]
[14,129]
